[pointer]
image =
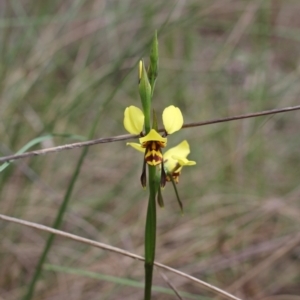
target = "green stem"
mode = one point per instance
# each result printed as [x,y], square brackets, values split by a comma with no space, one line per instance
[150,234]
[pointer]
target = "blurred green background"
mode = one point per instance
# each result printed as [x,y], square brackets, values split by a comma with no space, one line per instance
[64,64]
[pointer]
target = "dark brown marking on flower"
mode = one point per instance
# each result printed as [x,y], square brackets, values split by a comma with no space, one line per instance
[153,155]
[163,176]
[175,176]
[144,175]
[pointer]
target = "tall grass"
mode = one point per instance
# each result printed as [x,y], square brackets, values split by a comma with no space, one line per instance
[65,65]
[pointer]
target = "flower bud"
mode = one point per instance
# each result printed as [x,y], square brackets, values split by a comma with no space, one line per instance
[145,94]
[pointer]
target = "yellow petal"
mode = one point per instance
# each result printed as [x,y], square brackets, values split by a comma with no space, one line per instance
[176,156]
[181,150]
[136,146]
[184,161]
[172,119]
[170,164]
[133,120]
[153,135]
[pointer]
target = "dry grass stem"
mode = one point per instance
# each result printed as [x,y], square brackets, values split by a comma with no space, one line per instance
[171,286]
[106,247]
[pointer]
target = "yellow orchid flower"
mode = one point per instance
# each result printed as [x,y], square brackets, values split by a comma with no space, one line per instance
[176,158]
[173,160]
[153,141]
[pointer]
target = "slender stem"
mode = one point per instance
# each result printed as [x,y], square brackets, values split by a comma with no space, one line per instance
[150,234]
[150,228]
[146,93]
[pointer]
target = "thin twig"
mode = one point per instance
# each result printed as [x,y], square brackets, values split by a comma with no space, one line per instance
[131,136]
[171,286]
[77,238]
[245,116]
[69,146]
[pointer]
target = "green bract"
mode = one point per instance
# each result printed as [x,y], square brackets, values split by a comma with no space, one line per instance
[145,94]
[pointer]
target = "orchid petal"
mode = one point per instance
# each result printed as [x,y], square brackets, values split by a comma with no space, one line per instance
[172,119]
[182,150]
[136,146]
[175,158]
[154,136]
[133,120]
[184,161]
